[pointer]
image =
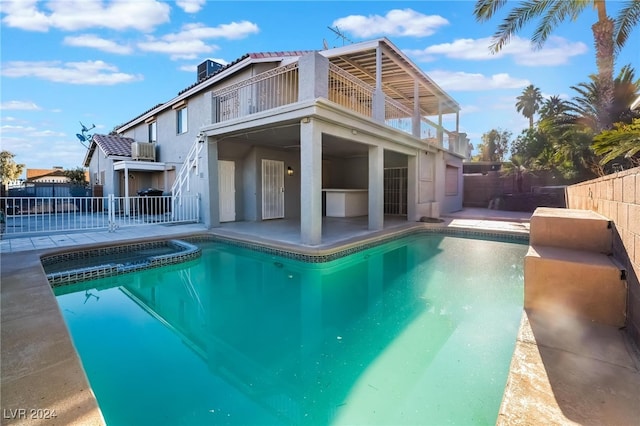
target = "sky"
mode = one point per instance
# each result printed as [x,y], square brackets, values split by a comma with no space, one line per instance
[102,63]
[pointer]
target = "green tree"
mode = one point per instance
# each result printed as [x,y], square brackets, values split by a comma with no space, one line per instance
[76,176]
[529,102]
[608,35]
[621,142]
[552,109]
[494,145]
[9,169]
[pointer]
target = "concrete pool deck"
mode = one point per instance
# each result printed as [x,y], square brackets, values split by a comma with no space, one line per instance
[40,370]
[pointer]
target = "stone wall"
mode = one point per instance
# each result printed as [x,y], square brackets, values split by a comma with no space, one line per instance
[617,197]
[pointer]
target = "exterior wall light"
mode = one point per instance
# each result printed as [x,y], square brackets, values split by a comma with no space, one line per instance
[289,171]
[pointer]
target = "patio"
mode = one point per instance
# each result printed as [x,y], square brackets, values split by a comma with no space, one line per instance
[284,231]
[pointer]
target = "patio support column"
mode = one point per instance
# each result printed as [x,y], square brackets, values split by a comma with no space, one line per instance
[127,206]
[378,101]
[211,201]
[415,121]
[458,147]
[412,187]
[376,184]
[313,81]
[440,133]
[310,182]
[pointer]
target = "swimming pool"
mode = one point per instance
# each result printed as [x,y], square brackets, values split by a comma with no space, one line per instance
[418,330]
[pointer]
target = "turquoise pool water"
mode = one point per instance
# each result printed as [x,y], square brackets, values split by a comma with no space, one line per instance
[416,331]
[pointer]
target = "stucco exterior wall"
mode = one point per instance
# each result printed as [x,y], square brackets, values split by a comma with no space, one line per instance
[617,197]
[452,202]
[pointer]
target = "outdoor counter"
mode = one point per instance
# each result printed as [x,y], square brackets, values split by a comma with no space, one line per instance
[347,202]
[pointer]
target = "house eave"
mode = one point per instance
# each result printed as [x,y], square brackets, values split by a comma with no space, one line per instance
[140,166]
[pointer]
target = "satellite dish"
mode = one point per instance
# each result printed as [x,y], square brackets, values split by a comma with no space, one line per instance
[325,44]
[81,137]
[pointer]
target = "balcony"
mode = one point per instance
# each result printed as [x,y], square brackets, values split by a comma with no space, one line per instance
[282,86]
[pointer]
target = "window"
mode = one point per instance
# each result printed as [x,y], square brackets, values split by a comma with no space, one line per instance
[181,120]
[451,180]
[153,131]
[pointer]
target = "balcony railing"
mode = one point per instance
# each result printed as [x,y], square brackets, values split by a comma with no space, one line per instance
[349,91]
[279,87]
[271,89]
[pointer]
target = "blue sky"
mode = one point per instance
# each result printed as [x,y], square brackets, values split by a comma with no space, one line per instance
[104,62]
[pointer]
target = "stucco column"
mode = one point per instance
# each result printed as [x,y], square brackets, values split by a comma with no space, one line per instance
[440,132]
[211,200]
[415,119]
[378,112]
[412,187]
[376,191]
[127,200]
[310,182]
[313,81]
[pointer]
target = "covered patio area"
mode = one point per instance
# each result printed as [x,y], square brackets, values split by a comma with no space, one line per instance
[335,230]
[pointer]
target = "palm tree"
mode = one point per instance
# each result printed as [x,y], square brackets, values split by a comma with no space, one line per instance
[608,35]
[622,142]
[583,109]
[552,108]
[529,102]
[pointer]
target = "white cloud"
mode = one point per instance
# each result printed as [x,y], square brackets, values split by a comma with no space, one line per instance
[19,105]
[463,81]
[72,15]
[190,43]
[397,22]
[88,72]
[469,109]
[556,51]
[8,128]
[95,42]
[184,49]
[191,6]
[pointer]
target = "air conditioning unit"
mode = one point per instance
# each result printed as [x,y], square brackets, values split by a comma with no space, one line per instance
[142,151]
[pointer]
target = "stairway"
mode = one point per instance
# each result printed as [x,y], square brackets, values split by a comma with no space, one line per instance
[569,269]
[189,170]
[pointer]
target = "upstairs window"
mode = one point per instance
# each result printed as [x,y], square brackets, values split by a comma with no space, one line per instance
[153,131]
[181,120]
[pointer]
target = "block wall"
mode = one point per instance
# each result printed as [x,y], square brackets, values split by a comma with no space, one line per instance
[617,196]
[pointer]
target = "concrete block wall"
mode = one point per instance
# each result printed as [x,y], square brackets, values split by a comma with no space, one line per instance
[617,196]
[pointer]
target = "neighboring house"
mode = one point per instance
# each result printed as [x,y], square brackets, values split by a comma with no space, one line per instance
[354,130]
[54,175]
[122,167]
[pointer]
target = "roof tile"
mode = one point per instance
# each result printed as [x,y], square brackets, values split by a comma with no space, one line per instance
[114,145]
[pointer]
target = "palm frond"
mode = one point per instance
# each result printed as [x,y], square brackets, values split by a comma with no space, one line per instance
[485,9]
[516,20]
[556,14]
[626,21]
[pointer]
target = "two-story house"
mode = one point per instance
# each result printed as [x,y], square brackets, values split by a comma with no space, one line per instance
[349,131]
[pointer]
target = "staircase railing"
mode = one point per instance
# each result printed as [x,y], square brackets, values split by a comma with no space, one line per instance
[190,167]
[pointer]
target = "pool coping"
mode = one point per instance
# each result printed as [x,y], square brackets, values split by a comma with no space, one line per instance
[40,367]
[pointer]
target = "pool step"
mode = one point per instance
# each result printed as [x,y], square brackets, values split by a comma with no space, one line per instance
[564,281]
[569,269]
[577,229]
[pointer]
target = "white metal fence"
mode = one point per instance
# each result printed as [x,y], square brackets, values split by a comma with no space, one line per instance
[40,215]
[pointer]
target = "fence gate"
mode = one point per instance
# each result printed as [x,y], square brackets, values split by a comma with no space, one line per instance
[395,191]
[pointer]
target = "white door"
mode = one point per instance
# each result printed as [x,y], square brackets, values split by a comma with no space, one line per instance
[227,190]
[272,189]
